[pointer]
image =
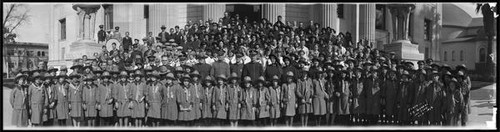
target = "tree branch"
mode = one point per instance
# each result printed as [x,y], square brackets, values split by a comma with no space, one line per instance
[8,13]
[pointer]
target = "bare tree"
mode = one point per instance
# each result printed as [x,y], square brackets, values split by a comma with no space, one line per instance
[14,16]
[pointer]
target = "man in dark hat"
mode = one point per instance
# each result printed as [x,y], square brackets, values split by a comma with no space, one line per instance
[253,69]
[101,35]
[163,35]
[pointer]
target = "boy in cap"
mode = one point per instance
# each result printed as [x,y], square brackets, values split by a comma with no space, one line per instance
[89,100]
[19,101]
[106,90]
[75,99]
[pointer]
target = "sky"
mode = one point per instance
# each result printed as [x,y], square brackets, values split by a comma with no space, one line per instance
[37,30]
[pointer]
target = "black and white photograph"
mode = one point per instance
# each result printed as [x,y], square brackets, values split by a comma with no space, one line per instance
[249,66]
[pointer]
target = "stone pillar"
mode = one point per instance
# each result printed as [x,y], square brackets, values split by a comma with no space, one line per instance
[329,16]
[367,22]
[272,11]
[213,12]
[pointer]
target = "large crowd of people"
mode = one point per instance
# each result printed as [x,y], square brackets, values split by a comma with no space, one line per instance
[237,73]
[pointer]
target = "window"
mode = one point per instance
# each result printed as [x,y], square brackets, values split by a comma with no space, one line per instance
[426,55]
[427,29]
[340,10]
[452,55]
[461,55]
[482,55]
[43,53]
[445,56]
[146,11]
[38,53]
[380,17]
[62,23]
[63,50]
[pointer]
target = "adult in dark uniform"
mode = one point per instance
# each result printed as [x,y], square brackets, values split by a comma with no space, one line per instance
[101,35]
[274,68]
[253,69]
[202,67]
[220,67]
[126,42]
[163,35]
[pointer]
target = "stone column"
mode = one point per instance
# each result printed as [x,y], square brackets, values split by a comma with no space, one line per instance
[403,48]
[213,12]
[272,11]
[329,16]
[367,22]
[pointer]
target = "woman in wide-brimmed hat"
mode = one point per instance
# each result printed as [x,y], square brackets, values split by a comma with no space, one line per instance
[289,98]
[206,100]
[89,100]
[233,98]
[275,94]
[18,101]
[248,100]
[197,95]
[75,98]
[262,101]
[153,105]
[220,94]
[122,97]
[138,95]
[37,99]
[170,108]
[105,99]
[185,101]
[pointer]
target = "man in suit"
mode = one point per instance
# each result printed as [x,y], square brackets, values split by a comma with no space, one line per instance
[202,67]
[127,41]
[220,67]
[163,35]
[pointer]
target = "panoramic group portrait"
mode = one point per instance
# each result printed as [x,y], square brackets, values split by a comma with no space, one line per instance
[214,66]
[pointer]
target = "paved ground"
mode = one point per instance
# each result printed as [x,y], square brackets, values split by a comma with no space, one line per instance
[481,107]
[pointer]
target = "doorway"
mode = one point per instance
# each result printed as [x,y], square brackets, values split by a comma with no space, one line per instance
[253,12]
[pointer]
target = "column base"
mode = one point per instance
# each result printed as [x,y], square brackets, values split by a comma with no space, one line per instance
[84,47]
[404,50]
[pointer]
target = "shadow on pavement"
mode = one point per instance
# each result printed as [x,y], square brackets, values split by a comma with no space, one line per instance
[489,105]
[486,114]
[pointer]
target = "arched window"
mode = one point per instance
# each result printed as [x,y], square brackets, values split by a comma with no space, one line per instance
[452,55]
[461,55]
[482,55]
[445,56]
[38,53]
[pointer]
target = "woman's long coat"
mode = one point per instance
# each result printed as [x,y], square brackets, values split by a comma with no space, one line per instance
[305,93]
[289,99]
[75,100]
[248,103]
[169,104]
[276,94]
[219,101]
[138,96]
[90,100]
[343,98]
[234,94]
[105,99]
[19,102]
[319,96]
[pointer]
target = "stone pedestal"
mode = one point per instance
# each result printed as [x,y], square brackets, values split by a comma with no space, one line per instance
[85,45]
[405,50]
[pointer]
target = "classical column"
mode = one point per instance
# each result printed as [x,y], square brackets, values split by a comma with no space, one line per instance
[272,11]
[86,45]
[329,16]
[213,12]
[402,47]
[367,21]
